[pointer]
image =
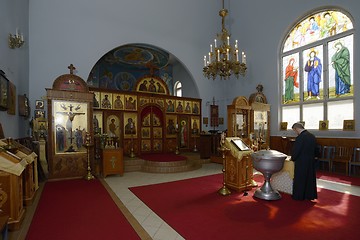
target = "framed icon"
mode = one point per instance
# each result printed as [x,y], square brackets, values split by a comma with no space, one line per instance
[130,125]
[98,122]
[130,102]
[145,132]
[283,126]
[70,126]
[349,125]
[39,104]
[323,125]
[4,86]
[39,114]
[106,100]
[11,99]
[195,125]
[171,125]
[23,105]
[118,101]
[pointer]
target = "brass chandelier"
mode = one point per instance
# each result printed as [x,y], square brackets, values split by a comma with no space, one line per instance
[223,59]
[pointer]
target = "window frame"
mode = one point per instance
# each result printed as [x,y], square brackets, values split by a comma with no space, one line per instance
[325,71]
[178,89]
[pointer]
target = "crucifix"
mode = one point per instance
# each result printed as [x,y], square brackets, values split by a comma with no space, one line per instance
[71,115]
[72,68]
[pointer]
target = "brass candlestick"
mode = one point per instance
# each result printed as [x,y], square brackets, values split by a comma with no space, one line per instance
[132,154]
[177,152]
[195,148]
[224,190]
[88,145]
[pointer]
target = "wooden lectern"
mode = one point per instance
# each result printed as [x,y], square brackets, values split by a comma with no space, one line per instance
[238,167]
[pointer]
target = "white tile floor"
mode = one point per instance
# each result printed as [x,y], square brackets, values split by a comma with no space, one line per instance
[153,224]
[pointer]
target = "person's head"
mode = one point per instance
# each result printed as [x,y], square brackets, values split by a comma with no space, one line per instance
[312,54]
[297,127]
[338,45]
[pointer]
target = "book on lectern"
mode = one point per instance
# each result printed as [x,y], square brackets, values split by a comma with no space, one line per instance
[239,143]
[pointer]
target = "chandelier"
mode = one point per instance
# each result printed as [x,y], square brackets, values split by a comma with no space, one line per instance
[223,59]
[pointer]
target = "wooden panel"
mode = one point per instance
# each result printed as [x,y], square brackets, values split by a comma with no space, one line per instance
[113,162]
[238,173]
[11,193]
[275,142]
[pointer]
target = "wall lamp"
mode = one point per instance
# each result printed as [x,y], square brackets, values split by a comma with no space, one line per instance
[16,41]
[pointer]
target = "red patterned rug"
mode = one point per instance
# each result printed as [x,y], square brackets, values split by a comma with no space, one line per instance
[162,157]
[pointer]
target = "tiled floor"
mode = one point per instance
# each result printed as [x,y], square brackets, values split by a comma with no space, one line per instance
[154,226]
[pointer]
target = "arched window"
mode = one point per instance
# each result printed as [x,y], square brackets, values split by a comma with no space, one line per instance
[317,71]
[177,89]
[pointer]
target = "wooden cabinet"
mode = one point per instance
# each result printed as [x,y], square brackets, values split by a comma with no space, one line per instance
[260,124]
[238,115]
[30,173]
[208,146]
[69,112]
[205,145]
[11,190]
[260,119]
[112,161]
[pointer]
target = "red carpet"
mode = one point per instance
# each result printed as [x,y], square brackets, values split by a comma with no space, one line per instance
[355,181]
[78,209]
[162,157]
[196,211]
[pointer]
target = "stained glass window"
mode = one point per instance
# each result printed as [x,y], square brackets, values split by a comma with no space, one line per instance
[317,70]
[316,27]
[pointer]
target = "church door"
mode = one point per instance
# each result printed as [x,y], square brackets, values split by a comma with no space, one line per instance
[152,124]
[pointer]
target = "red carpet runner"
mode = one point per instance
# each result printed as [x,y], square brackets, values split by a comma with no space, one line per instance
[196,211]
[78,209]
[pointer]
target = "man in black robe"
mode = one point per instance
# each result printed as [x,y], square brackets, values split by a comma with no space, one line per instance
[303,155]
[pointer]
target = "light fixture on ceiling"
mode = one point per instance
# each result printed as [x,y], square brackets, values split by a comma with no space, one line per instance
[223,59]
[16,41]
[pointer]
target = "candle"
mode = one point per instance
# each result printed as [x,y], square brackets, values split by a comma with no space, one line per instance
[209,57]
[236,44]
[242,57]
[228,40]
[215,43]
[218,51]
[204,61]
[237,55]
[17,31]
[211,48]
[227,54]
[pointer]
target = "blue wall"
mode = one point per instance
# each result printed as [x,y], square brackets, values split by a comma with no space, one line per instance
[82,31]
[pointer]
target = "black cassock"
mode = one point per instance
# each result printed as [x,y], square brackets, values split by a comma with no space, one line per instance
[303,154]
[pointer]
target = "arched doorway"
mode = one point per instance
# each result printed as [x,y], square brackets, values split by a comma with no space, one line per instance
[151,126]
